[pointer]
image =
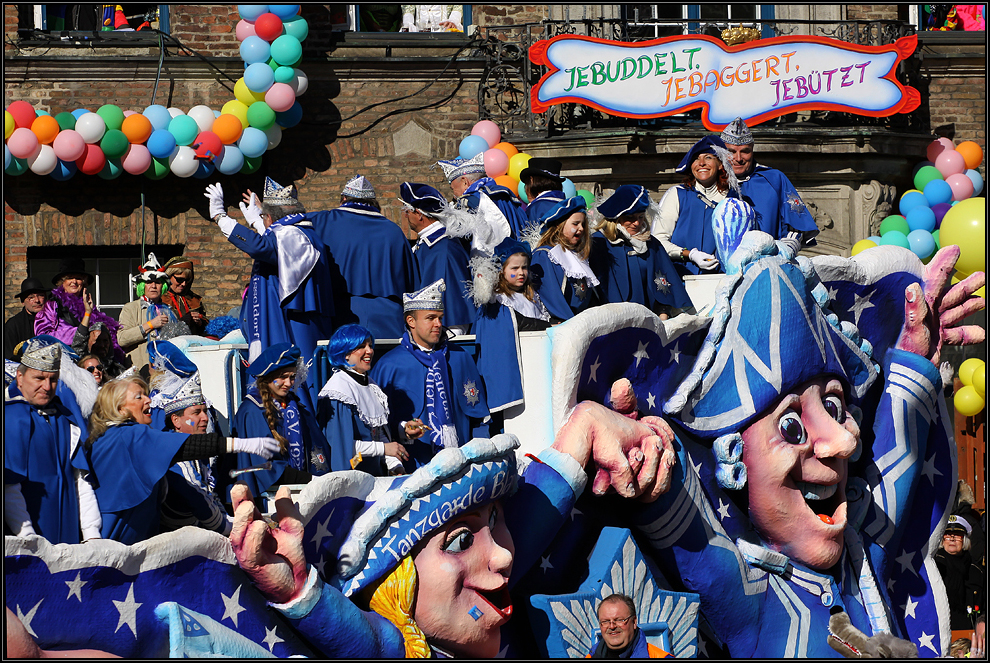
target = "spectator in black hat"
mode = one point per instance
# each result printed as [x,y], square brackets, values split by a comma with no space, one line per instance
[544,186]
[20,326]
[963,579]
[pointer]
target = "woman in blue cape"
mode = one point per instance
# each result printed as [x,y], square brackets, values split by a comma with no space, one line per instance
[561,269]
[130,458]
[353,410]
[272,409]
[637,269]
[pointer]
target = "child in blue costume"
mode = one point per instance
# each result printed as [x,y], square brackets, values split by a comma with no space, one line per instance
[130,459]
[271,408]
[508,305]
[637,269]
[543,187]
[562,269]
[353,410]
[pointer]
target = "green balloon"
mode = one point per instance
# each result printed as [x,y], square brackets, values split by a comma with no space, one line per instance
[16,167]
[274,65]
[895,238]
[894,222]
[111,169]
[112,115]
[260,115]
[296,26]
[158,168]
[65,121]
[589,197]
[251,164]
[286,50]
[938,244]
[114,144]
[926,175]
[284,74]
[184,128]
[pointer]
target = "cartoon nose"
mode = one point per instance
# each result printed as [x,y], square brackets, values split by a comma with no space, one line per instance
[830,439]
[501,559]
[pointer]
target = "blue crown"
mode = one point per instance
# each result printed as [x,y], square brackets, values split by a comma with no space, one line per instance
[276,194]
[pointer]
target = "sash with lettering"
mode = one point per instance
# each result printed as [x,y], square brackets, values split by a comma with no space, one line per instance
[437,401]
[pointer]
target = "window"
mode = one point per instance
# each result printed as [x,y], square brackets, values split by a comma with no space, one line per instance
[44,21]
[401,18]
[653,21]
[112,287]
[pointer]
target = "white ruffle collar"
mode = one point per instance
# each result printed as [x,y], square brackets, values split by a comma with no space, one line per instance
[573,265]
[370,402]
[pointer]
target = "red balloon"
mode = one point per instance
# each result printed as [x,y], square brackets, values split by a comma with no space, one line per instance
[268,27]
[23,114]
[207,145]
[92,160]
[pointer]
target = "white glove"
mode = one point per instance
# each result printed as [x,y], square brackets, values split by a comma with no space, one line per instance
[266,447]
[792,243]
[703,260]
[226,225]
[215,194]
[253,214]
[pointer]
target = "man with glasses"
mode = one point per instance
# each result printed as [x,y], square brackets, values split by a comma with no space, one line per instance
[20,326]
[620,637]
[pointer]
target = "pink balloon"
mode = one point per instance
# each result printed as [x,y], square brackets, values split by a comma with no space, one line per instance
[280,97]
[136,160]
[961,185]
[69,145]
[23,143]
[497,163]
[244,30]
[950,162]
[489,131]
[936,147]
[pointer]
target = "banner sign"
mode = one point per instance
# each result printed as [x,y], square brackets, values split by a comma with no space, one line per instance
[757,81]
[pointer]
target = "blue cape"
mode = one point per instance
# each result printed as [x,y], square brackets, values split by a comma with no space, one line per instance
[342,426]
[694,229]
[543,203]
[441,257]
[505,199]
[497,336]
[555,288]
[771,193]
[649,279]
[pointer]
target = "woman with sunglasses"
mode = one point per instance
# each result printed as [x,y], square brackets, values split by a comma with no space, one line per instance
[179,295]
[93,364]
[143,319]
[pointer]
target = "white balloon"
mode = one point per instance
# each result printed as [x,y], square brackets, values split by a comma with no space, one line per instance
[299,83]
[274,134]
[183,163]
[44,161]
[204,117]
[175,112]
[91,127]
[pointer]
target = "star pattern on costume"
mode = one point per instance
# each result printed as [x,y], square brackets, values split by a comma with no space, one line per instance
[723,510]
[929,469]
[860,304]
[128,611]
[640,353]
[675,354]
[925,640]
[890,584]
[593,369]
[545,563]
[232,605]
[702,646]
[651,401]
[661,282]
[75,587]
[909,608]
[832,292]
[270,638]
[26,619]
[502,652]
[471,392]
[906,562]
[697,467]
[321,530]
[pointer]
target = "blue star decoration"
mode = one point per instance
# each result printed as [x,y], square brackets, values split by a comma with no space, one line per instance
[569,623]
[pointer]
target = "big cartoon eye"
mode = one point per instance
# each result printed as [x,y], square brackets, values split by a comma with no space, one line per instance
[459,541]
[833,405]
[791,428]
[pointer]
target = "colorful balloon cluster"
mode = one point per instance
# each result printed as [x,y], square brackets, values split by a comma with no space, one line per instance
[160,140]
[971,399]
[504,163]
[941,210]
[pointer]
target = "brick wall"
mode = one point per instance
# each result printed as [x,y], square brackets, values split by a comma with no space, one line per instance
[872,12]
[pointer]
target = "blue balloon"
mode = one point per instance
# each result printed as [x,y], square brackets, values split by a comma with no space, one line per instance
[158,116]
[569,189]
[522,192]
[938,191]
[79,112]
[289,118]
[253,142]
[161,143]
[910,200]
[259,77]
[895,238]
[64,170]
[231,160]
[875,239]
[472,146]
[204,170]
[977,180]
[38,112]
[251,12]
[6,157]
[284,11]
[255,49]
[922,244]
[921,218]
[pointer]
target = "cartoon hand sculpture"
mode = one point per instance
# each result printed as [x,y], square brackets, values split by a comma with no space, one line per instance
[931,315]
[270,553]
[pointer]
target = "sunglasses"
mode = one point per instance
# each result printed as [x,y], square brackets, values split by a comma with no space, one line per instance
[93,369]
[156,279]
[181,279]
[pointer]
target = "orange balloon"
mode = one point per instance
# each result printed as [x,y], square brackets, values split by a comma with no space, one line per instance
[45,127]
[509,182]
[137,128]
[971,153]
[228,128]
[509,149]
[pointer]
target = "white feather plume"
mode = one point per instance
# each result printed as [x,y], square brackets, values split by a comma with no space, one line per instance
[81,382]
[484,269]
[531,234]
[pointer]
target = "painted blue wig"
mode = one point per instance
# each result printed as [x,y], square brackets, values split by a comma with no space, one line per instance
[344,341]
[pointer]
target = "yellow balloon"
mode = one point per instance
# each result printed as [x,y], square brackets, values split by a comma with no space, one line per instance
[244,95]
[910,191]
[967,368]
[965,226]
[516,164]
[238,109]
[8,124]
[980,380]
[862,245]
[968,402]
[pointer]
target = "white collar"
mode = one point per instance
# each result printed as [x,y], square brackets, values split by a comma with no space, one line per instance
[369,401]
[429,230]
[573,265]
[521,304]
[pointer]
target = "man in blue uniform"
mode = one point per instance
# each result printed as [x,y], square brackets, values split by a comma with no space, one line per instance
[470,185]
[438,255]
[372,265]
[779,209]
[428,379]
[544,187]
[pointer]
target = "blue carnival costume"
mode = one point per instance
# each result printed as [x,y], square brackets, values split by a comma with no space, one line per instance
[543,202]
[566,283]
[504,199]
[372,259]
[638,648]
[353,408]
[635,270]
